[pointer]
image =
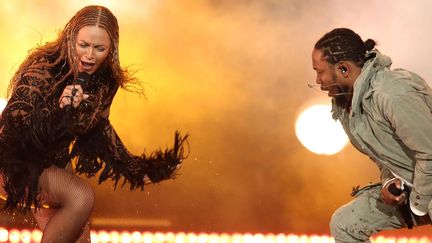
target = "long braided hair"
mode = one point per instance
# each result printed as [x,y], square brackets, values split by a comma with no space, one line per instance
[342,44]
[64,53]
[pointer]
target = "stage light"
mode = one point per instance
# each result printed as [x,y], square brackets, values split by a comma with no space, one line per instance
[36,235]
[148,238]
[318,132]
[125,237]
[291,238]
[16,235]
[202,238]
[168,237]
[180,238]
[224,238]
[136,237]
[237,238]
[4,235]
[26,236]
[103,236]
[214,238]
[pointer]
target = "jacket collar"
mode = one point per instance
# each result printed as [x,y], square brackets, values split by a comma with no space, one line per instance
[363,81]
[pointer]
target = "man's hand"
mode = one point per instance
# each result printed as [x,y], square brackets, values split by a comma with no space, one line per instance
[390,198]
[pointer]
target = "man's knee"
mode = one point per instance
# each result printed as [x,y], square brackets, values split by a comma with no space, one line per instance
[430,210]
[337,223]
[347,227]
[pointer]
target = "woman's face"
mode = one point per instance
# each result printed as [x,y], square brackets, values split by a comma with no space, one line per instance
[92,47]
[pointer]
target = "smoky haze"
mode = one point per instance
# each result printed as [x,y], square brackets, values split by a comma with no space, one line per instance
[232,74]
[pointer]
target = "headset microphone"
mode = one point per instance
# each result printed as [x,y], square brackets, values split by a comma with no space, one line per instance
[315,87]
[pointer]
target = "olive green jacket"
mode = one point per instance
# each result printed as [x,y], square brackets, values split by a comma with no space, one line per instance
[391,121]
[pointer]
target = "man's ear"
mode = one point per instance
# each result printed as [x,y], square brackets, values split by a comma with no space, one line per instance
[343,68]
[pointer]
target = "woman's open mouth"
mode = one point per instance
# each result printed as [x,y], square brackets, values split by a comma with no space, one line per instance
[87,66]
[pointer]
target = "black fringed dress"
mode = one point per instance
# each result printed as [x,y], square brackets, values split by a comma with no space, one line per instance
[36,134]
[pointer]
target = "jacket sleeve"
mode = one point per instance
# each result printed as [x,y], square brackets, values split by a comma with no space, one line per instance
[30,128]
[30,115]
[102,149]
[386,176]
[411,119]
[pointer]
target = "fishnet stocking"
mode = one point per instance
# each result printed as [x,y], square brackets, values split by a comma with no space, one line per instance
[43,215]
[71,201]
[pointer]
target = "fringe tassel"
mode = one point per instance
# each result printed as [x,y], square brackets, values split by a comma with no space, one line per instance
[94,154]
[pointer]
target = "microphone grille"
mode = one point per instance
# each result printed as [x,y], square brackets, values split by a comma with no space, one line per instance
[82,77]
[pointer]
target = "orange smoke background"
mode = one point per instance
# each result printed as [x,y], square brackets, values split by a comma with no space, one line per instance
[233,75]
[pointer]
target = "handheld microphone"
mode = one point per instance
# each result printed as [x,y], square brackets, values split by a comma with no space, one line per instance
[68,117]
[82,79]
[394,190]
[405,207]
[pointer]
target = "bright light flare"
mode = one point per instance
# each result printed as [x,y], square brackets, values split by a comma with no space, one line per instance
[3,103]
[318,132]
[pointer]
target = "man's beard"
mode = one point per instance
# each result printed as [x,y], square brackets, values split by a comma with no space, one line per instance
[344,99]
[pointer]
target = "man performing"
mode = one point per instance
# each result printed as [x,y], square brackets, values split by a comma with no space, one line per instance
[387,116]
